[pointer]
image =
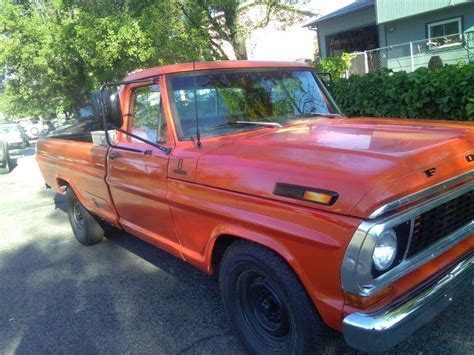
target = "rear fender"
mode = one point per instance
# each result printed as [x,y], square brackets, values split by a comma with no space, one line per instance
[63,183]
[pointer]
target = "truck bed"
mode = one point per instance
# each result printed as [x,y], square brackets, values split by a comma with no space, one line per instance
[82,165]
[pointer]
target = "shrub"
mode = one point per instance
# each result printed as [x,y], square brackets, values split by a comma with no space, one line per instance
[335,66]
[445,93]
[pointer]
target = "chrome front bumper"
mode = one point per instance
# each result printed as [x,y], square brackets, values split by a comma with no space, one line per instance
[381,330]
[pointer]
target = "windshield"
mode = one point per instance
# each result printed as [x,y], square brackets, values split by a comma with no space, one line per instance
[235,101]
[9,129]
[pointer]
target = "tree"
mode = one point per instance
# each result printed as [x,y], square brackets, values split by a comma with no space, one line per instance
[56,52]
[336,66]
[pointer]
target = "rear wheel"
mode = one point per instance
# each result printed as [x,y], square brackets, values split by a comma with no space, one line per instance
[267,305]
[5,163]
[85,227]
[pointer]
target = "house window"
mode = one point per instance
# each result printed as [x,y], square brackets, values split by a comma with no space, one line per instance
[444,28]
[445,33]
[356,40]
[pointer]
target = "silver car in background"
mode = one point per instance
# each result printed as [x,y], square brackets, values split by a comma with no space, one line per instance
[5,162]
[14,135]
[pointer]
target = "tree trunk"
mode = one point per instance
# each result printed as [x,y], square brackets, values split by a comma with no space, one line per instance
[240,49]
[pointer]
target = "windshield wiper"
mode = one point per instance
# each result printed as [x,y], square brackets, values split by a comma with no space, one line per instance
[260,123]
[272,124]
[315,114]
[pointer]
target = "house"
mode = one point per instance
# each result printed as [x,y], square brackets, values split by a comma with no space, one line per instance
[350,29]
[398,34]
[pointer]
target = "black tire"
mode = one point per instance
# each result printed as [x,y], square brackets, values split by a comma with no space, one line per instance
[84,225]
[5,162]
[267,305]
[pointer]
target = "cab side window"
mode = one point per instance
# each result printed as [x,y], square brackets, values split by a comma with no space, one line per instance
[148,117]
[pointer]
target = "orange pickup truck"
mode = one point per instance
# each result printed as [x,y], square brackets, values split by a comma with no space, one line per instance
[311,219]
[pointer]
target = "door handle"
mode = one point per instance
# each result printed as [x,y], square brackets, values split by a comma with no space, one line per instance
[114,155]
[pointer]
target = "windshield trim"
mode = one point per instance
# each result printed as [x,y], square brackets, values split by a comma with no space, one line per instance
[251,128]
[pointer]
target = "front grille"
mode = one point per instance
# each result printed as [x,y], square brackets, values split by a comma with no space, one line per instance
[441,221]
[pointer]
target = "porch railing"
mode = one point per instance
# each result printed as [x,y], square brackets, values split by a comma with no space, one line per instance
[415,54]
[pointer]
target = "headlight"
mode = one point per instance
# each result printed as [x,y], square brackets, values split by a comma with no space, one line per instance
[385,250]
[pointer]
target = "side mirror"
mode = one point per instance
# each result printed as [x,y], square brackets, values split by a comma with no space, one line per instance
[107,104]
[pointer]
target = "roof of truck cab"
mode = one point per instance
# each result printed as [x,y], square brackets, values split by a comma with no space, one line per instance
[225,64]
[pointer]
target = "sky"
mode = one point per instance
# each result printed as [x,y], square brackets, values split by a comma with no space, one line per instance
[295,42]
[329,6]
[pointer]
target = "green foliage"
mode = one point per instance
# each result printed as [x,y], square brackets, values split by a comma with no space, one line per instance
[335,66]
[446,93]
[147,107]
[56,52]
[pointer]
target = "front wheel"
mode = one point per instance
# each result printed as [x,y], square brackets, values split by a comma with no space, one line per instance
[266,303]
[84,226]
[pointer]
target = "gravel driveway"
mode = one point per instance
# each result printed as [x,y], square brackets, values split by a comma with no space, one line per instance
[125,296]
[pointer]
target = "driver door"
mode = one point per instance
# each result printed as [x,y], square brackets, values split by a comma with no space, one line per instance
[138,181]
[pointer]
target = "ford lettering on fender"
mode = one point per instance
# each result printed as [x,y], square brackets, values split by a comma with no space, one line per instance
[311,219]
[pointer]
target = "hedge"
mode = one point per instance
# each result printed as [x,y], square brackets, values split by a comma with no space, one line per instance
[445,93]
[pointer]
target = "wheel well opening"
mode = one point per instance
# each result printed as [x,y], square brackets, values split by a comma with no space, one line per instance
[220,246]
[62,184]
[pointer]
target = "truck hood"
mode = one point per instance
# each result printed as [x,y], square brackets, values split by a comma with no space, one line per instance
[368,162]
